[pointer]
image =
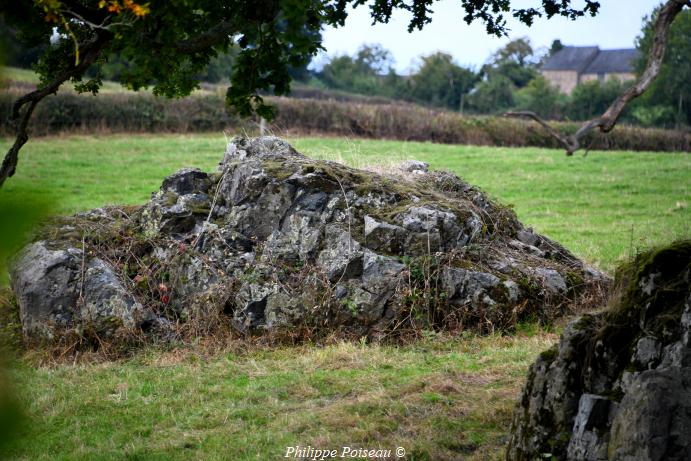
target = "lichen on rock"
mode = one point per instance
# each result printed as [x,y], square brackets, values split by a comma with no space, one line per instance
[275,240]
[618,384]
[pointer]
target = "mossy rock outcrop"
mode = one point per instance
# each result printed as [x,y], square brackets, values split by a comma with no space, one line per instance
[277,242]
[618,384]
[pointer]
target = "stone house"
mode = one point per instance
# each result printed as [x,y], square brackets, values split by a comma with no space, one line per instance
[577,64]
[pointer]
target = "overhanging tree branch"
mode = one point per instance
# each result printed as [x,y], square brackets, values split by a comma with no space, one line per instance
[608,120]
[31,100]
[24,106]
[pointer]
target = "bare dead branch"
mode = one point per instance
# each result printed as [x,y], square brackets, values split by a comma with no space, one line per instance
[566,141]
[608,120]
[662,26]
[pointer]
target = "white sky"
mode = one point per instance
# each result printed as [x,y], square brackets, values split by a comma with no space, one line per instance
[616,26]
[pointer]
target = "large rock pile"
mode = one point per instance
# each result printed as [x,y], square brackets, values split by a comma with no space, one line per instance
[618,385]
[274,240]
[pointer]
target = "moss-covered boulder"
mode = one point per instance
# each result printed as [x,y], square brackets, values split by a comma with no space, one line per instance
[275,241]
[618,384]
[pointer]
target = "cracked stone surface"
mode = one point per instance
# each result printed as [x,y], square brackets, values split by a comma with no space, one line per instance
[618,385]
[276,240]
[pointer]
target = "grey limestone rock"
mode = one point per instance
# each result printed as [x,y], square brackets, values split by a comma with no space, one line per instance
[552,280]
[618,385]
[275,240]
[414,166]
[60,288]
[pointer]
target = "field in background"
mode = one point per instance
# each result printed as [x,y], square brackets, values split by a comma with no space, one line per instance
[602,207]
[439,398]
[307,112]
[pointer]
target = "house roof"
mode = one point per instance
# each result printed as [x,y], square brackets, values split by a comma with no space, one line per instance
[613,61]
[592,60]
[571,58]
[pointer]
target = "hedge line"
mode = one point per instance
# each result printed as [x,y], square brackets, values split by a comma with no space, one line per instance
[142,112]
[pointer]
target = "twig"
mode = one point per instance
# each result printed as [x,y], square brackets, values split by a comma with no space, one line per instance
[568,142]
[81,284]
[211,211]
[350,234]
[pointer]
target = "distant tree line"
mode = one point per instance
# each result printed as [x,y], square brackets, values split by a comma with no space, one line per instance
[510,80]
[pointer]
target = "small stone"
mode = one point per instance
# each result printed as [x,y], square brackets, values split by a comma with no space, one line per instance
[414,166]
[250,305]
[552,281]
[187,181]
[340,292]
[647,283]
[647,351]
[381,236]
[528,237]
[468,287]
[527,248]
[514,292]
[282,310]
[592,417]
[380,267]
[342,259]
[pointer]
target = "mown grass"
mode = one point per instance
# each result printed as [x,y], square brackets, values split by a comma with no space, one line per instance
[440,398]
[603,207]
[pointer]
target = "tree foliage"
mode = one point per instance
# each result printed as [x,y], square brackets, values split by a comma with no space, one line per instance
[169,43]
[13,52]
[511,67]
[540,97]
[591,98]
[361,73]
[492,95]
[555,47]
[439,81]
[516,61]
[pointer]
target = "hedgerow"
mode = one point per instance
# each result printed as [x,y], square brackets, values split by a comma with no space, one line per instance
[145,113]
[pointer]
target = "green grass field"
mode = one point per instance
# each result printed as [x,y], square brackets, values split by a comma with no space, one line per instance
[15,74]
[10,76]
[440,398]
